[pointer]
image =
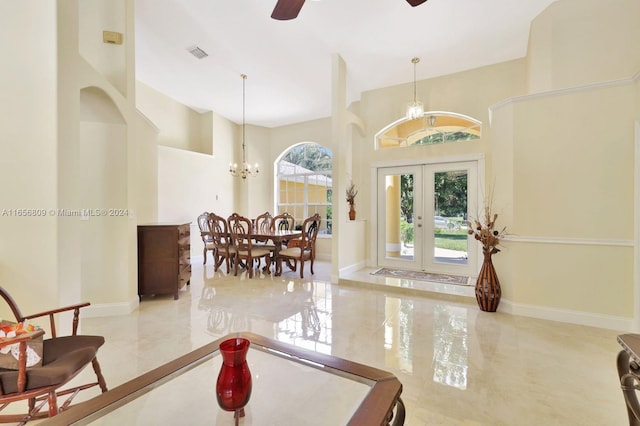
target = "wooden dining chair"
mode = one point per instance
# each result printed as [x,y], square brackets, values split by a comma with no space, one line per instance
[305,249]
[205,235]
[263,225]
[221,240]
[241,231]
[63,357]
[283,222]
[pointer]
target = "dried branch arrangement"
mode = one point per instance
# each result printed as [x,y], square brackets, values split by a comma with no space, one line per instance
[484,229]
[351,193]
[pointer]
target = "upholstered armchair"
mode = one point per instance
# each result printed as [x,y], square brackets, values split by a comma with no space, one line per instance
[63,357]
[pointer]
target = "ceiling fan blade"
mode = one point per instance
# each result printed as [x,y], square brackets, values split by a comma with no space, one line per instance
[415,3]
[287,9]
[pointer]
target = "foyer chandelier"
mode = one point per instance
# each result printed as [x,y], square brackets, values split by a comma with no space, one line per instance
[243,170]
[415,109]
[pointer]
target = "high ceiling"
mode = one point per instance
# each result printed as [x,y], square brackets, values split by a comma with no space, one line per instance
[289,63]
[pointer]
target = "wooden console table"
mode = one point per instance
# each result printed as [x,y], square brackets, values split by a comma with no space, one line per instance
[164,259]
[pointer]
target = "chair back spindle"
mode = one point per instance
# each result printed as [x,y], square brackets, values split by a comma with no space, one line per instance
[283,222]
[264,222]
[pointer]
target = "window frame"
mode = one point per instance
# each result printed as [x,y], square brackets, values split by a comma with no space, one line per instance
[305,177]
[472,128]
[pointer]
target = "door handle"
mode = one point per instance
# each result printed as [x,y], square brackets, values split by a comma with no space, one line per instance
[419,225]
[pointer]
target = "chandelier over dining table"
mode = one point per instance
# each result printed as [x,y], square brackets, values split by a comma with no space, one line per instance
[244,169]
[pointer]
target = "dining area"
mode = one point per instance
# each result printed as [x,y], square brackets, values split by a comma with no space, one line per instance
[268,242]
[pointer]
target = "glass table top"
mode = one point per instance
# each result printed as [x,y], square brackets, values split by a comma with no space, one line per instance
[290,386]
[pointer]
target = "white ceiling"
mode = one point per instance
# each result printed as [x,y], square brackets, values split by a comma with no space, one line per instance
[288,63]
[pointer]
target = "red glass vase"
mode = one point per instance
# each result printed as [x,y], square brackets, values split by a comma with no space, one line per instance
[233,387]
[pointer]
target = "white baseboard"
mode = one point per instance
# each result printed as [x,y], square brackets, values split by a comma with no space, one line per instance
[353,268]
[110,309]
[568,316]
[348,269]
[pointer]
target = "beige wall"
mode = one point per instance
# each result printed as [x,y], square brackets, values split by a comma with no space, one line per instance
[254,193]
[179,126]
[568,157]
[571,206]
[76,150]
[28,153]
[578,42]
[189,184]
[109,60]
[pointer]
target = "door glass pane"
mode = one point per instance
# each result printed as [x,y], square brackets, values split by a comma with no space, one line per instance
[407,216]
[450,242]
[399,216]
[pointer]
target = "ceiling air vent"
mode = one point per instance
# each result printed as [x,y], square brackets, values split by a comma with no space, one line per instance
[197,52]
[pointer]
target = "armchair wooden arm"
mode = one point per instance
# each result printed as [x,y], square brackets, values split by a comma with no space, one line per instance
[22,340]
[76,316]
[23,337]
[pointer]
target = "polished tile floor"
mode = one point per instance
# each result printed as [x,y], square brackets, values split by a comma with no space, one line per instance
[458,366]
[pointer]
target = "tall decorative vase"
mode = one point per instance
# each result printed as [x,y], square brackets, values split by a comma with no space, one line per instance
[488,290]
[233,387]
[352,212]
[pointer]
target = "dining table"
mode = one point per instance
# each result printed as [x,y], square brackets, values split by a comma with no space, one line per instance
[278,237]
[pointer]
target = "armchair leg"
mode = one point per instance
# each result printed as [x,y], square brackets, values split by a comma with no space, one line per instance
[98,371]
[53,403]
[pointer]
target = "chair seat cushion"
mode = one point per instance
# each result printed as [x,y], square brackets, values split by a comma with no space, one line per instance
[255,252]
[63,357]
[290,252]
[226,250]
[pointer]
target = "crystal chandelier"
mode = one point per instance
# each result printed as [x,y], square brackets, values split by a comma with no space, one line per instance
[245,168]
[415,109]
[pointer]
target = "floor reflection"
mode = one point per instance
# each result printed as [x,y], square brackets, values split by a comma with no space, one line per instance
[450,347]
[458,366]
[397,334]
[291,307]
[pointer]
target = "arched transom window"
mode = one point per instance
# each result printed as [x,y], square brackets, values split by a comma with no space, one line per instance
[433,128]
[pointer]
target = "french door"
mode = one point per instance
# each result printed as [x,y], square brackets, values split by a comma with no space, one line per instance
[422,213]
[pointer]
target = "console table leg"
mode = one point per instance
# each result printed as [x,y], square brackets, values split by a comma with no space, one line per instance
[627,372]
[398,418]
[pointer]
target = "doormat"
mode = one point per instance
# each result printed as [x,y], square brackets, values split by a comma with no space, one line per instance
[423,276]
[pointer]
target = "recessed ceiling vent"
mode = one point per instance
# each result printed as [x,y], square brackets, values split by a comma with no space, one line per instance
[197,52]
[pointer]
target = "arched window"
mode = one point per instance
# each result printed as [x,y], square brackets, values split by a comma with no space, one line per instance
[433,128]
[304,185]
